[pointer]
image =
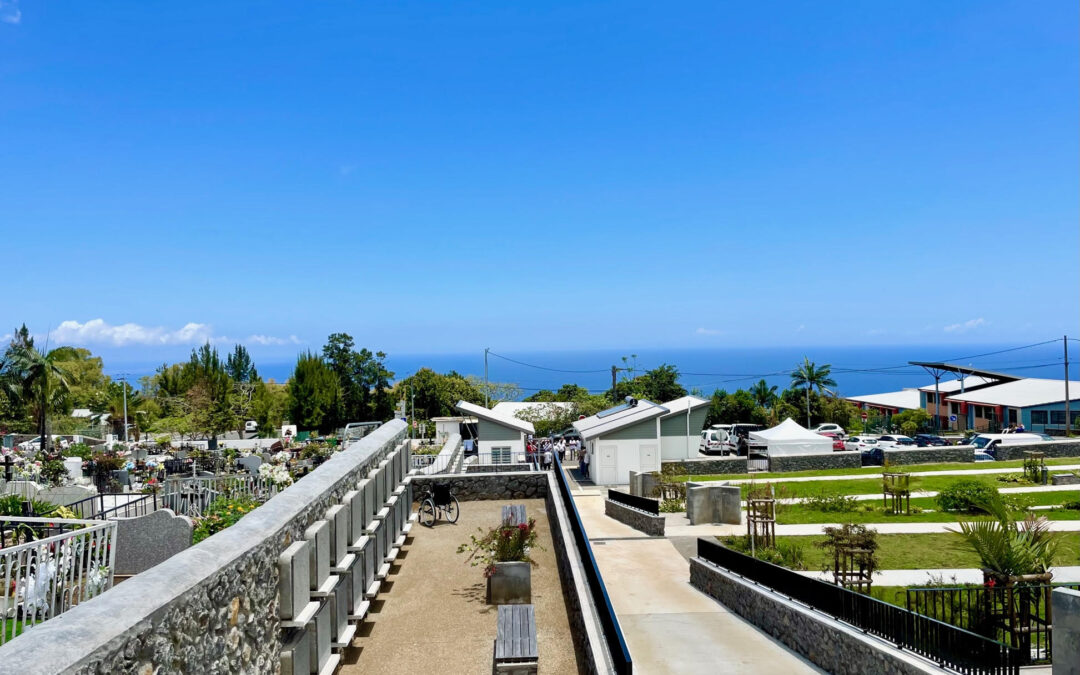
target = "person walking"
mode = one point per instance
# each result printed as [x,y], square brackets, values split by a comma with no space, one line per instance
[547,459]
[585,461]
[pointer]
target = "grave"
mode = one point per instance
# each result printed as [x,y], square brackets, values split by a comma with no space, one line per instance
[145,541]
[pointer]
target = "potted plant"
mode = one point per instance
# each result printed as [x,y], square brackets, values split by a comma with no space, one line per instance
[504,553]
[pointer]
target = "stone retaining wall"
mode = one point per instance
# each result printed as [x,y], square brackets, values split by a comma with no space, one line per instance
[1066,654]
[947,453]
[833,646]
[1053,449]
[710,466]
[483,486]
[212,608]
[635,518]
[497,468]
[832,460]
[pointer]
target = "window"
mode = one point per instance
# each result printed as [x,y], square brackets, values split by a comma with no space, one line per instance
[929,398]
[501,456]
[1038,417]
[1057,417]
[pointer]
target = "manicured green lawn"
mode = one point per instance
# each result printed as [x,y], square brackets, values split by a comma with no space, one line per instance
[871,470]
[794,514]
[868,486]
[921,551]
[12,627]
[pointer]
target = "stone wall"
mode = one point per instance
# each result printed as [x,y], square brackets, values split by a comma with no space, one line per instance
[832,460]
[833,646]
[497,468]
[710,466]
[1052,449]
[947,453]
[482,486]
[212,608]
[635,518]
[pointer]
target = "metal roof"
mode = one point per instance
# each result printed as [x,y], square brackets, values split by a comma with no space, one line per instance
[680,405]
[969,383]
[494,417]
[594,426]
[906,399]
[1024,393]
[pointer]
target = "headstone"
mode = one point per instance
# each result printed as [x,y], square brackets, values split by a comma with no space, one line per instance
[337,517]
[27,489]
[296,654]
[65,494]
[74,467]
[251,463]
[318,535]
[145,541]
[294,580]
[320,638]
[713,503]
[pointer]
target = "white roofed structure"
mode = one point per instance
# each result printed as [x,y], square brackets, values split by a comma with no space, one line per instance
[791,438]
[905,399]
[1023,393]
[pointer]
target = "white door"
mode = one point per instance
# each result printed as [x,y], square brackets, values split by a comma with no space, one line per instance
[606,474]
[647,457]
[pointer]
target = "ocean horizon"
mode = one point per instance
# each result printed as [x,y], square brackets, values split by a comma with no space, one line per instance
[857,370]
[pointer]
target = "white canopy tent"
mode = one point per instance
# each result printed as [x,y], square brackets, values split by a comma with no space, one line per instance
[791,438]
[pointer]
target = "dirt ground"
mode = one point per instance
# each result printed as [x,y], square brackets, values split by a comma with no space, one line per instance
[431,617]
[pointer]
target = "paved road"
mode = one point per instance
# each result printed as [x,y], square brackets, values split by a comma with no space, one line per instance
[669,626]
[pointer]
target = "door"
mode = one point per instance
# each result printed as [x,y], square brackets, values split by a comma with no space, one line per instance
[647,457]
[606,474]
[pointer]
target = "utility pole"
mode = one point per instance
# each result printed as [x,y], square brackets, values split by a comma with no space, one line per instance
[486,350]
[124,380]
[614,370]
[412,401]
[1068,421]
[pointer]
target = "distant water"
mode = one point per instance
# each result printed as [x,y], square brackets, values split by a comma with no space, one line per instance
[857,370]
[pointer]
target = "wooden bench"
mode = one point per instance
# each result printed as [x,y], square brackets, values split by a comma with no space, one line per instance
[513,514]
[516,652]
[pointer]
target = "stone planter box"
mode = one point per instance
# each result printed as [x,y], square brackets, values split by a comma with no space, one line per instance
[511,584]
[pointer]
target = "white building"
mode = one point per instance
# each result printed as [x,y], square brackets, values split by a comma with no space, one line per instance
[622,439]
[501,438]
[680,427]
[447,426]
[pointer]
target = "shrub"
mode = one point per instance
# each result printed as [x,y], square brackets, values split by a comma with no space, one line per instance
[832,503]
[966,496]
[54,472]
[852,536]
[80,450]
[222,513]
[505,543]
[1013,478]
[786,553]
[1073,505]
[672,506]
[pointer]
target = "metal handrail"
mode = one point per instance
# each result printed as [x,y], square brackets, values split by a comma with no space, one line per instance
[613,635]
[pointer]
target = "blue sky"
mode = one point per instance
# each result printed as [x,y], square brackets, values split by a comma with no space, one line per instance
[440,177]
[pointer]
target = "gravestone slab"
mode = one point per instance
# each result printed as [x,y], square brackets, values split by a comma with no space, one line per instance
[67,494]
[318,535]
[296,654]
[713,502]
[74,468]
[338,519]
[294,580]
[145,541]
[251,463]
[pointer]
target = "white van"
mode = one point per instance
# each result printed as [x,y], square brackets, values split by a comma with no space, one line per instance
[988,443]
[712,441]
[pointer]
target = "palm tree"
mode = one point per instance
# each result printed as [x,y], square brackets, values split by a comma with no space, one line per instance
[763,394]
[36,379]
[810,376]
[1007,548]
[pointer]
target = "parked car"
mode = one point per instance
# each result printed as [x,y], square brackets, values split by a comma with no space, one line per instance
[829,428]
[712,442]
[860,443]
[892,441]
[251,426]
[739,441]
[837,442]
[873,456]
[929,440]
[989,443]
[982,457]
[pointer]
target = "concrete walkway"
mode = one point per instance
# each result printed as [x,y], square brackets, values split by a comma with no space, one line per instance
[1068,575]
[680,527]
[668,625]
[858,476]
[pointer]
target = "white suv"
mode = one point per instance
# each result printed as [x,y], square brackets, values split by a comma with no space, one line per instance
[830,428]
[860,443]
[712,442]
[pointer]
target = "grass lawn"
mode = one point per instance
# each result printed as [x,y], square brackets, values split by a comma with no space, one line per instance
[922,551]
[12,627]
[872,470]
[795,514]
[869,486]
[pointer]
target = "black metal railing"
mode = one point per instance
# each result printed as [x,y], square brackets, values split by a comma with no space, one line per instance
[613,636]
[949,646]
[633,501]
[103,506]
[1018,615]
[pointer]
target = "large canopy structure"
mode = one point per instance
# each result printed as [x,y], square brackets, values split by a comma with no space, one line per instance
[790,438]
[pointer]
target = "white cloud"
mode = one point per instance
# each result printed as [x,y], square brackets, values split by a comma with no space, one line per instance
[271,340]
[10,12]
[98,331]
[801,328]
[970,324]
[710,331]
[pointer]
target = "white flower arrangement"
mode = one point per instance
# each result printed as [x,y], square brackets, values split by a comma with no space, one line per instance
[281,457]
[277,473]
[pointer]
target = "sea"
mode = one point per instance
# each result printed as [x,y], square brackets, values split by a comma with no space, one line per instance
[857,370]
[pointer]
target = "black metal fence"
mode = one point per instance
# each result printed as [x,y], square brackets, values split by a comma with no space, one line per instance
[616,644]
[103,506]
[633,501]
[949,646]
[1019,615]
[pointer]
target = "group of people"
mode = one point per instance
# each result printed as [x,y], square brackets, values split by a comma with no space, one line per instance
[542,451]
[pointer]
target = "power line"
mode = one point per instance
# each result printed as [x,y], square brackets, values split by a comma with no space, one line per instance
[553,370]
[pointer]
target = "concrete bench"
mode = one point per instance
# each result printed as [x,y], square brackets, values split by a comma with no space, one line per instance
[516,652]
[513,514]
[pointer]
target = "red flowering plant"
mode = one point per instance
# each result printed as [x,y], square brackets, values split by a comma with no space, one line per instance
[505,543]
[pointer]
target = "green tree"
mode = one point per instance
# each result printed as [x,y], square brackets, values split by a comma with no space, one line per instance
[269,406]
[84,372]
[239,365]
[435,394]
[763,394]
[314,394]
[207,396]
[363,378]
[811,377]
[496,391]
[33,380]
[657,385]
